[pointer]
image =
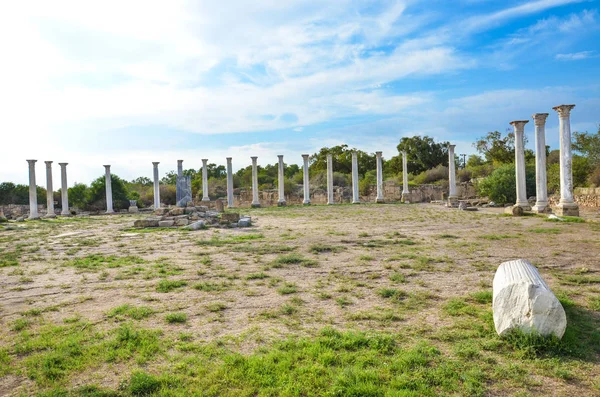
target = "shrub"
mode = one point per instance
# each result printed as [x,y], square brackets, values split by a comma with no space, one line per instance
[500,186]
[433,175]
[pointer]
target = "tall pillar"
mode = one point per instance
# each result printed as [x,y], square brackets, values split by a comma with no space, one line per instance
[566,205]
[405,191]
[452,196]
[355,196]
[156,185]
[64,190]
[255,201]
[178,185]
[33,206]
[108,182]
[306,180]
[205,180]
[541,188]
[179,168]
[229,183]
[49,191]
[519,126]
[281,182]
[379,198]
[330,180]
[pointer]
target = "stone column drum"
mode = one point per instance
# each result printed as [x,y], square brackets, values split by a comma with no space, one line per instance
[178,190]
[355,196]
[205,180]
[306,180]
[33,206]
[64,190]
[405,191]
[255,201]
[379,166]
[156,185]
[330,179]
[519,126]
[281,182]
[108,182]
[49,191]
[541,188]
[566,205]
[452,196]
[229,183]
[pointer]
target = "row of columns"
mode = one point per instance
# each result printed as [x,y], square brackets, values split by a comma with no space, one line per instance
[566,205]
[33,204]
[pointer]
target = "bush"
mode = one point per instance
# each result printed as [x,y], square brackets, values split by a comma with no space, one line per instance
[464,175]
[594,178]
[97,194]
[433,175]
[501,185]
[370,179]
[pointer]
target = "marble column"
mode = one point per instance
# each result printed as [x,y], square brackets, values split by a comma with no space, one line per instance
[281,182]
[108,182]
[64,190]
[355,196]
[566,205]
[519,126]
[205,180]
[156,185]
[379,167]
[179,168]
[306,180]
[33,205]
[229,183]
[330,200]
[452,196]
[49,191]
[255,201]
[541,188]
[405,191]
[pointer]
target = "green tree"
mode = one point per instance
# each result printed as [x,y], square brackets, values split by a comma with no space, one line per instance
[142,180]
[588,145]
[78,195]
[423,153]
[496,148]
[97,193]
[341,160]
[169,179]
[501,185]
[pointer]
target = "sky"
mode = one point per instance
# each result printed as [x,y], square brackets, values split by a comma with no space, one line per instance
[127,83]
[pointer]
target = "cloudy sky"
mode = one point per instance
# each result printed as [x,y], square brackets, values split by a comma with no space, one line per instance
[130,82]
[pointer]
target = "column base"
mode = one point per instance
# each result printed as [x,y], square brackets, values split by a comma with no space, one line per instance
[567,209]
[281,203]
[255,205]
[328,203]
[524,206]
[379,200]
[541,208]
[452,202]
[33,218]
[50,215]
[306,202]
[205,198]
[110,212]
[356,202]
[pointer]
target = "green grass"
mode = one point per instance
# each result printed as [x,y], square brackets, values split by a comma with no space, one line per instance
[545,230]
[257,276]
[398,277]
[170,285]
[293,259]
[96,262]
[322,248]
[392,293]
[566,219]
[287,288]
[216,307]
[133,312]
[8,259]
[176,318]
[212,287]
[217,241]
[497,236]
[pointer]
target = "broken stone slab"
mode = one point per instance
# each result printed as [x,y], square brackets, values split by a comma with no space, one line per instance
[161,211]
[182,222]
[196,226]
[167,223]
[230,217]
[201,208]
[522,300]
[146,223]
[176,211]
[189,210]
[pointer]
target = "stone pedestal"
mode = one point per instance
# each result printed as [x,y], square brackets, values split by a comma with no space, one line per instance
[156,185]
[255,201]
[355,196]
[229,183]
[205,180]
[108,183]
[519,126]
[49,191]
[405,191]
[306,180]
[64,190]
[330,180]
[541,188]
[281,182]
[452,196]
[133,208]
[566,205]
[33,206]
[379,166]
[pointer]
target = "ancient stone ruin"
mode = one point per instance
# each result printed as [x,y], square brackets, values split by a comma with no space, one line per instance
[193,218]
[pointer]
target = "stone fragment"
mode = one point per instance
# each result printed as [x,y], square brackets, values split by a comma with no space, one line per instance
[201,208]
[522,300]
[20,219]
[184,190]
[245,222]
[168,223]
[462,206]
[514,210]
[196,226]
[146,223]
[161,211]
[182,222]
[230,217]
[176,211]
[189,210]
[219,206]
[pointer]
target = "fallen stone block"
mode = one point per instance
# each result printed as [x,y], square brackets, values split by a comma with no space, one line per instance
[522,300]
[231,217]
[176,211]
[245,222]
[514,210]
[182,222]
[189,210]
[146,223]
[161,211]
[168,223]
[196,226]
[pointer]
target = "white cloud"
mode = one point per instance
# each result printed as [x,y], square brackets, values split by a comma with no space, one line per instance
[576,56]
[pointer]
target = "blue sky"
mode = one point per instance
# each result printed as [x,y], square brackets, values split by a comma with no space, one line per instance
[128,83]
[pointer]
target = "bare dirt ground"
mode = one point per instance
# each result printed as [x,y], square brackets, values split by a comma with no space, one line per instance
[420,272]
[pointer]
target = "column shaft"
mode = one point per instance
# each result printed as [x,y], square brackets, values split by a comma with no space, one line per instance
[255,200]
[306,180]
[281,182]
[156,185]
[330,179]
[567,205]
[229,183]
[519,127]
[49,191]
[405,191]
[452,195]
[108,182]
[205,180]
[379,165]
[33,206]
[541,188]
[355,196]
[64,190]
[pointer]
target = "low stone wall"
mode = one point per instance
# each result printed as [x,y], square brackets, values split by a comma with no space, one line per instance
[13,211]
[588,197]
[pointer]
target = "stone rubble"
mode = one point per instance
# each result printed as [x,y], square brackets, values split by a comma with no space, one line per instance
[193,218]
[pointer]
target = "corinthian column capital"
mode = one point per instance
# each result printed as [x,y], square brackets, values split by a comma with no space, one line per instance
[519,124]
[539,118]
[564,110]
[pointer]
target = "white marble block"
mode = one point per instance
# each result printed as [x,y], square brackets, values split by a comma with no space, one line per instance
[522,300]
